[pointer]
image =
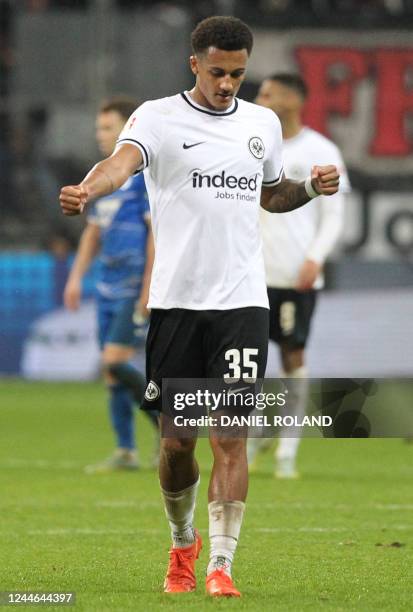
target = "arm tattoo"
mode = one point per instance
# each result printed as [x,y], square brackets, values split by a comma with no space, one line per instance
[287,195]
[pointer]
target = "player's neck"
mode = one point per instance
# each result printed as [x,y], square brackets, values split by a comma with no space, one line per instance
[197,96]
[291,127]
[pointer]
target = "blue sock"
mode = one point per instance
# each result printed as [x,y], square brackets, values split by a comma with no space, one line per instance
[122,415]
[127,374]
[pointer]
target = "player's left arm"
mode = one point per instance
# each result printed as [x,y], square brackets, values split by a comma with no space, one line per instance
[288,195]
[330,226]
[142,305]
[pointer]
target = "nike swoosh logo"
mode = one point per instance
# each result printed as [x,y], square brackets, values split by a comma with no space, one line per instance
[185,146]
[233,391]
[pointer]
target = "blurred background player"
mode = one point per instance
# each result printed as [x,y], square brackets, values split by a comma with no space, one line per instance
[296,246]
[119,229]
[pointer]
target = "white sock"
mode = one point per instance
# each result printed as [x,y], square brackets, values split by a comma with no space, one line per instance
[298,386]
[225,518]
[287,448]
[255,445]
[179,509]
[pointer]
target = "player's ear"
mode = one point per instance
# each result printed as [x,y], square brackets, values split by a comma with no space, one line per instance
[193,62]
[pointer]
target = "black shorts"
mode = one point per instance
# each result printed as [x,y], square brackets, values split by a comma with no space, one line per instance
[290,316]
[208,344]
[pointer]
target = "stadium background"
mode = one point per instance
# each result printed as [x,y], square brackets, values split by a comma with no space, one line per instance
[58,58]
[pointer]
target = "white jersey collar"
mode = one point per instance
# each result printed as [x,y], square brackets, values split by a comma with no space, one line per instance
[297,137]
[208,111]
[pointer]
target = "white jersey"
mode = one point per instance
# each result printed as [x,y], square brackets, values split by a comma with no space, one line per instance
[203,172]
[311,231]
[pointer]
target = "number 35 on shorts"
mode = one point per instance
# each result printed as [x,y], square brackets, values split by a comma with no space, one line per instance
[242,365]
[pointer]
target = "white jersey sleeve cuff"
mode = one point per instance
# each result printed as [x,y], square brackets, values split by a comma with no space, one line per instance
[274,181]
[139,146]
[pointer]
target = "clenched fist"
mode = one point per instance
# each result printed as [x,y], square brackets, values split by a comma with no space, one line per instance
[73,199]
[325,179]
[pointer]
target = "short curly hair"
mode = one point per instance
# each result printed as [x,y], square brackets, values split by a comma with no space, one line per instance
[226,33]
[124,105]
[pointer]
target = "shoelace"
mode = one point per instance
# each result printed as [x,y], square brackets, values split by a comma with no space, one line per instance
[223,576]
[178,565]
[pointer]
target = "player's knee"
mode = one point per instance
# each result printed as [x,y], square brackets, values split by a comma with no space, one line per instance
[229,450]
[292,358]
[175,449]
[116,353]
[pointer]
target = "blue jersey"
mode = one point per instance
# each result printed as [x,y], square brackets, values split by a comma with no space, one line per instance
[122,219]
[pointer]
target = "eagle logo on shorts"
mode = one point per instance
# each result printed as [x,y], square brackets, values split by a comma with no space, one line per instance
[256,147]
[152,391]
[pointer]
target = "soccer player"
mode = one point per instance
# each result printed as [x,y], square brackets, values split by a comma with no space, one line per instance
[206,155]
[119,229]
[295,248]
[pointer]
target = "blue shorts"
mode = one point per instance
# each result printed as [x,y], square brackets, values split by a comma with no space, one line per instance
[116,324]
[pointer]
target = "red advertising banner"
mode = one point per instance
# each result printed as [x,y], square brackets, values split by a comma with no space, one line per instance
[360,90]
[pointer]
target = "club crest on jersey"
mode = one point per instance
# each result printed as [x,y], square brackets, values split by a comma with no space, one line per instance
[152,391]
[256,147]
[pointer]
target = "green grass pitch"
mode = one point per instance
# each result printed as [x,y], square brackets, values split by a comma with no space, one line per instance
[340,538]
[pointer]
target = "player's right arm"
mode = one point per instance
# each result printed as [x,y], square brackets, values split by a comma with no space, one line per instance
[88,248]
[104,178]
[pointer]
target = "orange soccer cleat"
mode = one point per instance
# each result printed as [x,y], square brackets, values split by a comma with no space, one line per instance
[180,577]
[219,584]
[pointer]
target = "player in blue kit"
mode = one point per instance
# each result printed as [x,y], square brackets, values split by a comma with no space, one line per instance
[119,229]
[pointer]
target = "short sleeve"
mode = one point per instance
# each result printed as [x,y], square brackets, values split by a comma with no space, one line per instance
[143,130]
[273,164]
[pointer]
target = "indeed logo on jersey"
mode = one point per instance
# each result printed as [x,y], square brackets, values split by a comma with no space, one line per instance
[222,180]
